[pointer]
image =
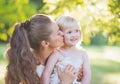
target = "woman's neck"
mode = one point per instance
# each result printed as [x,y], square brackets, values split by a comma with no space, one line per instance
[42,55]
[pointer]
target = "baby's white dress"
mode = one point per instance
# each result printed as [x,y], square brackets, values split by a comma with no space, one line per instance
[63,61]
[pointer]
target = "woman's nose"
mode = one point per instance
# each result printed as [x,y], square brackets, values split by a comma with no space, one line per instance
[61,33]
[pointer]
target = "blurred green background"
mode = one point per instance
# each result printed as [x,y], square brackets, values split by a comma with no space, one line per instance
[100,22]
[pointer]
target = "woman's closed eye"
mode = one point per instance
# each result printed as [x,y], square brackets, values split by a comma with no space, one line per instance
[59,32]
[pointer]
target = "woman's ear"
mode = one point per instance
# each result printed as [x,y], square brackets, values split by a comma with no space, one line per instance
[45,43]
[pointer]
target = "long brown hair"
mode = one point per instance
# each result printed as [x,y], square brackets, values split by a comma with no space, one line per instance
[26,36]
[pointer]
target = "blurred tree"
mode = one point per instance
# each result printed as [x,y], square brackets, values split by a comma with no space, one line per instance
[60,7]
[100,19]
[11,12]
[114,22]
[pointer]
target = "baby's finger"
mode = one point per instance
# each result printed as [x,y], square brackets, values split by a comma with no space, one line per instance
[59,71]
[71,67]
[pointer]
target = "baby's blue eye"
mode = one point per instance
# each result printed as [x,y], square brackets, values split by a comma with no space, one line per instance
[76,30]
[69,32]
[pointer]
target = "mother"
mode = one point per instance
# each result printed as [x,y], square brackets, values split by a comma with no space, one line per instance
[31,44]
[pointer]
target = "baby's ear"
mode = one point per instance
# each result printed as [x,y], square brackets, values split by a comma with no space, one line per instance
[44,43]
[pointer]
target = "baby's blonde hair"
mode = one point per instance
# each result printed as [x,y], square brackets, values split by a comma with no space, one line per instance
[67,22]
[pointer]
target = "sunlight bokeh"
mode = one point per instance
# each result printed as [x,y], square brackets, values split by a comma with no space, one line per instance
[112,54]
[2,72]
[112,78]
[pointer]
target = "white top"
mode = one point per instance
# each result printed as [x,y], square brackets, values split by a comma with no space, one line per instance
[40,69]
[63,61]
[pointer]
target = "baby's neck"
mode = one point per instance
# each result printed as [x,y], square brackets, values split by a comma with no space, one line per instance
[68,51]
[68,48]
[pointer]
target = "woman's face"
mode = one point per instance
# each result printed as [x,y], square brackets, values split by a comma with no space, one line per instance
[56,37]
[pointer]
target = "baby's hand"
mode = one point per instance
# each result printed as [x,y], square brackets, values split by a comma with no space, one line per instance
[68,75]
[80,74]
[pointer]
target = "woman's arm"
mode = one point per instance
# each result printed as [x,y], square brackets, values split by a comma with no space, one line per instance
[49,68]
[86,70]
[68,75]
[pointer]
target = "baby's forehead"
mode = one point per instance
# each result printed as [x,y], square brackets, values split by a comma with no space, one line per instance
[71,26]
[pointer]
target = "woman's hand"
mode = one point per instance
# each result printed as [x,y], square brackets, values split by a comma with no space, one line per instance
[80,74]
[68,75]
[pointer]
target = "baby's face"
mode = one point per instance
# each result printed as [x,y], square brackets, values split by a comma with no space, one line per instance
[71,36]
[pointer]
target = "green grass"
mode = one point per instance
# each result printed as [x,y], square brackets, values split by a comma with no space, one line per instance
[2,50]
[104,60]
[105,64]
